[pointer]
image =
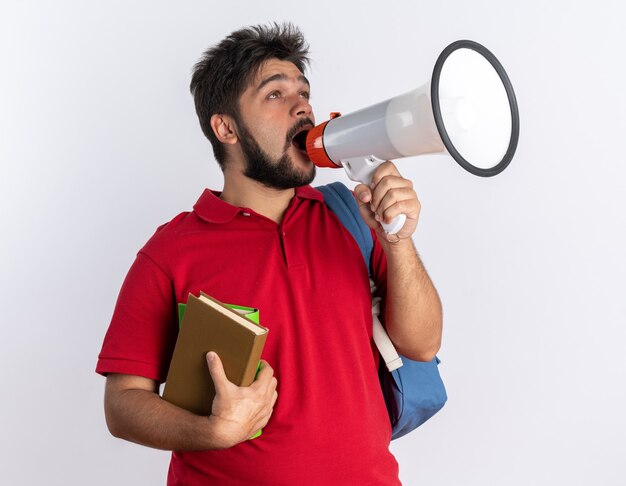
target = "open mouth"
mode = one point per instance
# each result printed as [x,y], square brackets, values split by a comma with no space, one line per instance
[299,140]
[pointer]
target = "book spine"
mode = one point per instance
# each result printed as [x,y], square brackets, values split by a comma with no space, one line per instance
[252,364]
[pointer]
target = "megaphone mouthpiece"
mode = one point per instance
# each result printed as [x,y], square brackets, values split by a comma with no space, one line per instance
[315,146]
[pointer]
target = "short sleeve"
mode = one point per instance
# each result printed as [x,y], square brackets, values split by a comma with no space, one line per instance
[142,333]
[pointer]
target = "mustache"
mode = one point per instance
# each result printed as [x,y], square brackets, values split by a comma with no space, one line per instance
[301,123]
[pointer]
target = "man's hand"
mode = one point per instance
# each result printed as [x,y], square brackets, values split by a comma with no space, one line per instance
[389,195]
[239,412]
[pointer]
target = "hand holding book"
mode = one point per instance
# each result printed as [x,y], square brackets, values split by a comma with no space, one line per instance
[211,328]
[242,411]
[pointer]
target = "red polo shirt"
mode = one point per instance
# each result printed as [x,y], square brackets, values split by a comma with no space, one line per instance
[306,275]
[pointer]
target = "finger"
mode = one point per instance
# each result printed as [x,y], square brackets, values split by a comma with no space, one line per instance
[368,215]
[364,197]
[271,390]
[266,369]
[398,201]
[263,421]
[363,193]
[266,415]
[217,372]
[386,184]
[385,169]
[264,375]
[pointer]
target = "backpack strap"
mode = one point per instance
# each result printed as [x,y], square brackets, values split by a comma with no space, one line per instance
[413,390]
[341,201]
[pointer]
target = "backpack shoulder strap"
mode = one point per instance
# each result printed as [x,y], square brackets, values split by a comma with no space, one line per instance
[341,201]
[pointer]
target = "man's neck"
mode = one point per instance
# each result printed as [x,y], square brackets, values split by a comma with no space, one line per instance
[241,191]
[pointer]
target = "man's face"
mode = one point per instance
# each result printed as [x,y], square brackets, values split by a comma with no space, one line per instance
[272,110]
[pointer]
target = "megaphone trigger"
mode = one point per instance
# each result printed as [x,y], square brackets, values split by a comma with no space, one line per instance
[361,169]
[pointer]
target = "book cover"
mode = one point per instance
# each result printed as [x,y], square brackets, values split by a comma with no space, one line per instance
[208,325]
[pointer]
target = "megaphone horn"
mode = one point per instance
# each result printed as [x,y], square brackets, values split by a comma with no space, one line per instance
[467,109]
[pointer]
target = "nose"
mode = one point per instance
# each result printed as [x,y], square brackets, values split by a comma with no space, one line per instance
[302,108]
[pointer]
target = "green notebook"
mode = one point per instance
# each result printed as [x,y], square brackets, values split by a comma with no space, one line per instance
[250,312]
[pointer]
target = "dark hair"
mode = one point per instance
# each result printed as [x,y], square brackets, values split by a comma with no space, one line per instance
[224,71]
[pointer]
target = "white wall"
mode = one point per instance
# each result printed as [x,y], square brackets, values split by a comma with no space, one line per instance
[99,144]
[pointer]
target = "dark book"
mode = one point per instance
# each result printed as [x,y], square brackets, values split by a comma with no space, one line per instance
[209,325]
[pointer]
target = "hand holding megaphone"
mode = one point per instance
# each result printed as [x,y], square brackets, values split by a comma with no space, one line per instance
[468,110]
[361,169]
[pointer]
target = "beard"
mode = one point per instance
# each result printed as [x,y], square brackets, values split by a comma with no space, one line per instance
[275,174]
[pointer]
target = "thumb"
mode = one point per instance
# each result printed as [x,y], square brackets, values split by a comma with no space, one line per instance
[217,372]
[363,193]
[363,198]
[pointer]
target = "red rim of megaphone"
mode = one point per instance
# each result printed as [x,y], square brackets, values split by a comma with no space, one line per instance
[315,145]
[434,95]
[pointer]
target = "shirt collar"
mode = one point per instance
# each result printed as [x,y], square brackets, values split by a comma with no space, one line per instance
[212,209]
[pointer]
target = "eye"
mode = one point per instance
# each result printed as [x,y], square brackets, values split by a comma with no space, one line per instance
[274,95]
[306,95]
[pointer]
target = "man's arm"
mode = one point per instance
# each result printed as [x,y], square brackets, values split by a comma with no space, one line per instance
[135,412]
[413,314]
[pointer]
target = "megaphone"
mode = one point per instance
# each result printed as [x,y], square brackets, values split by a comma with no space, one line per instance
[467,110]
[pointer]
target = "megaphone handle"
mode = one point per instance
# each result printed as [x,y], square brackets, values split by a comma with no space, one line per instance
[396,224]
[361,169]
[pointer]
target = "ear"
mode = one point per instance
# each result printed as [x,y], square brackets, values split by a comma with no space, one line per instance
[224,128]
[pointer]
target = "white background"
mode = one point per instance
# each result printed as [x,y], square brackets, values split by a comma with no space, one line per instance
[99,144]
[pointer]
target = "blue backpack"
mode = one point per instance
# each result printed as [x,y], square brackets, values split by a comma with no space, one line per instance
[414,392]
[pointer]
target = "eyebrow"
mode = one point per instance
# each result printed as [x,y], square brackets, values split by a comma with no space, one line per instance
[281,77]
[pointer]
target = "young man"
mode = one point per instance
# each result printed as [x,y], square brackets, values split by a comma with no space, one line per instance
[267,240]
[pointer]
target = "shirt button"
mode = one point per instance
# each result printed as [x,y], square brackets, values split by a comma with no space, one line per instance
[246,214]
